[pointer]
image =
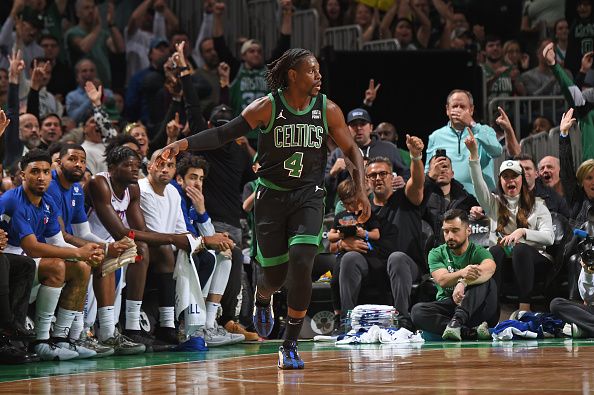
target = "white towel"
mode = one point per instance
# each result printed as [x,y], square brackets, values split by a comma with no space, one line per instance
[188,294]
[509,332]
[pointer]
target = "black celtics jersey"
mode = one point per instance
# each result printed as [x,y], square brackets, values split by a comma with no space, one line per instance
[292,149]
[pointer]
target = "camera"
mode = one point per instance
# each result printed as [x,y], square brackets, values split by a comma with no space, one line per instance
[440,152]
[348,230]
[586,252]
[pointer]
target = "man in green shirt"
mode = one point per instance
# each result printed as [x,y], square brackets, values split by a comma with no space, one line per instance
[466,292]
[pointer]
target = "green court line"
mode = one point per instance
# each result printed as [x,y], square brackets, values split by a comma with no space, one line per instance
[48,369]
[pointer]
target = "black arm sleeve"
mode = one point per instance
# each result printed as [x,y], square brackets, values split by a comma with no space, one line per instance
[216,137]
[33,102]
[193,110]
[13,146]
[567,172]
[160,139]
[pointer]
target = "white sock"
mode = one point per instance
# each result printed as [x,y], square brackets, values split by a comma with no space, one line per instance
[77,326]
[133,314]
[63,322]
[106,318]
[211,313]
[47,300]
[166,317]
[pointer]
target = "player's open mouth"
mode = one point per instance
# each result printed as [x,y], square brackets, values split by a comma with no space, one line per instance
[547,176]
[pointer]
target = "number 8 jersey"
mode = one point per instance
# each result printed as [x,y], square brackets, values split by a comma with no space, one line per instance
[292,149]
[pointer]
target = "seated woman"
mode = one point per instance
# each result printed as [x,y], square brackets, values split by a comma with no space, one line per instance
[521,225]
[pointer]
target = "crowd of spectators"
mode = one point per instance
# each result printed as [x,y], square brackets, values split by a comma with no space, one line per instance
[97,102]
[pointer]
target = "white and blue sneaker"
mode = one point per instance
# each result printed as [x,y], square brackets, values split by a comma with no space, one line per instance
[47,350]
[82,351]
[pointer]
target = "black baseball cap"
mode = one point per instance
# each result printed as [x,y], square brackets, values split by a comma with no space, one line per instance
[221,114]
[358,113]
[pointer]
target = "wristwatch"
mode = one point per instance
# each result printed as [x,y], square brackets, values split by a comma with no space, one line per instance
[472,125]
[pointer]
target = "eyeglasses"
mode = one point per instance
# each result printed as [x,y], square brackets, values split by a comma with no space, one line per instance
[381,174]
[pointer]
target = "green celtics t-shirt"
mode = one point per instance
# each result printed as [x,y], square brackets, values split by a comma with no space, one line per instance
[248,85]
[443,258]
[502,86]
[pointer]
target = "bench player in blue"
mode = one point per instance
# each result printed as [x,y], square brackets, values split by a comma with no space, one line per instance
[30,217]
[295,121]
[69,197]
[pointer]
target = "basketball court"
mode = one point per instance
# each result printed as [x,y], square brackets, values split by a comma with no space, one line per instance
[552,366]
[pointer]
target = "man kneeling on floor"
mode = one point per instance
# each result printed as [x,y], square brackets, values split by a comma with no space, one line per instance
[466,291]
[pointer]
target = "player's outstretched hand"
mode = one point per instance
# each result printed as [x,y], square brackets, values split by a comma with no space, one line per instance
[172,150]
[364,207]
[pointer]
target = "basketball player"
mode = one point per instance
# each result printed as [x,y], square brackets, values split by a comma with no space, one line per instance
[295,121]
[115,197]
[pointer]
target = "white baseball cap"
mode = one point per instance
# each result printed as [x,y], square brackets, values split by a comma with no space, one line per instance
[513,165]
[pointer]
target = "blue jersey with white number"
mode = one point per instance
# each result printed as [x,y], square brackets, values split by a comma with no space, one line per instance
[71,202]
[21,218]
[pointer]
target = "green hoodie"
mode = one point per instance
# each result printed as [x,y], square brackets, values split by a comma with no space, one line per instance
[584,112]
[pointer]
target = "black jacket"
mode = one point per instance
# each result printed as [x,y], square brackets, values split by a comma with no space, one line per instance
[437,204]
[554,202]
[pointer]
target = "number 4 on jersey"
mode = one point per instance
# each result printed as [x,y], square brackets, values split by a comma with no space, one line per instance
[294,164]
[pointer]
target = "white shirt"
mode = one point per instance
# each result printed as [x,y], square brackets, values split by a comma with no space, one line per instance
[95,157]
[162,213]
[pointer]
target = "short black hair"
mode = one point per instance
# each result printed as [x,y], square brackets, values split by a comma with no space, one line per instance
[191,161]
[66,147]
[456,213]
[490,38]
[54,147]
[49,115]
[35,155]
[380,159]
[48,37]
[524,156]
[120,140]
[120,154]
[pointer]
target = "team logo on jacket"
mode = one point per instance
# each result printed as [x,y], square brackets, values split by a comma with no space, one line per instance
[45,220]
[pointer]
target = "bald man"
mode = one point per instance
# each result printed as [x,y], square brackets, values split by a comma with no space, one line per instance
[549,168]
[19,143]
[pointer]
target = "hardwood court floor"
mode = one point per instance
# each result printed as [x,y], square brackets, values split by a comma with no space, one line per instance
[529,367]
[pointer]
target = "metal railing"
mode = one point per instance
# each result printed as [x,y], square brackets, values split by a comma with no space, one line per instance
[190,19]
[390,44]
[547,143]
[344,38]
[263,23]
[576,143]
[306,31]
[524,109]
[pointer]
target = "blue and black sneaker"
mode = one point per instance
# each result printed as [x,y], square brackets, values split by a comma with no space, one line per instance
[288,357]
[263,319]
